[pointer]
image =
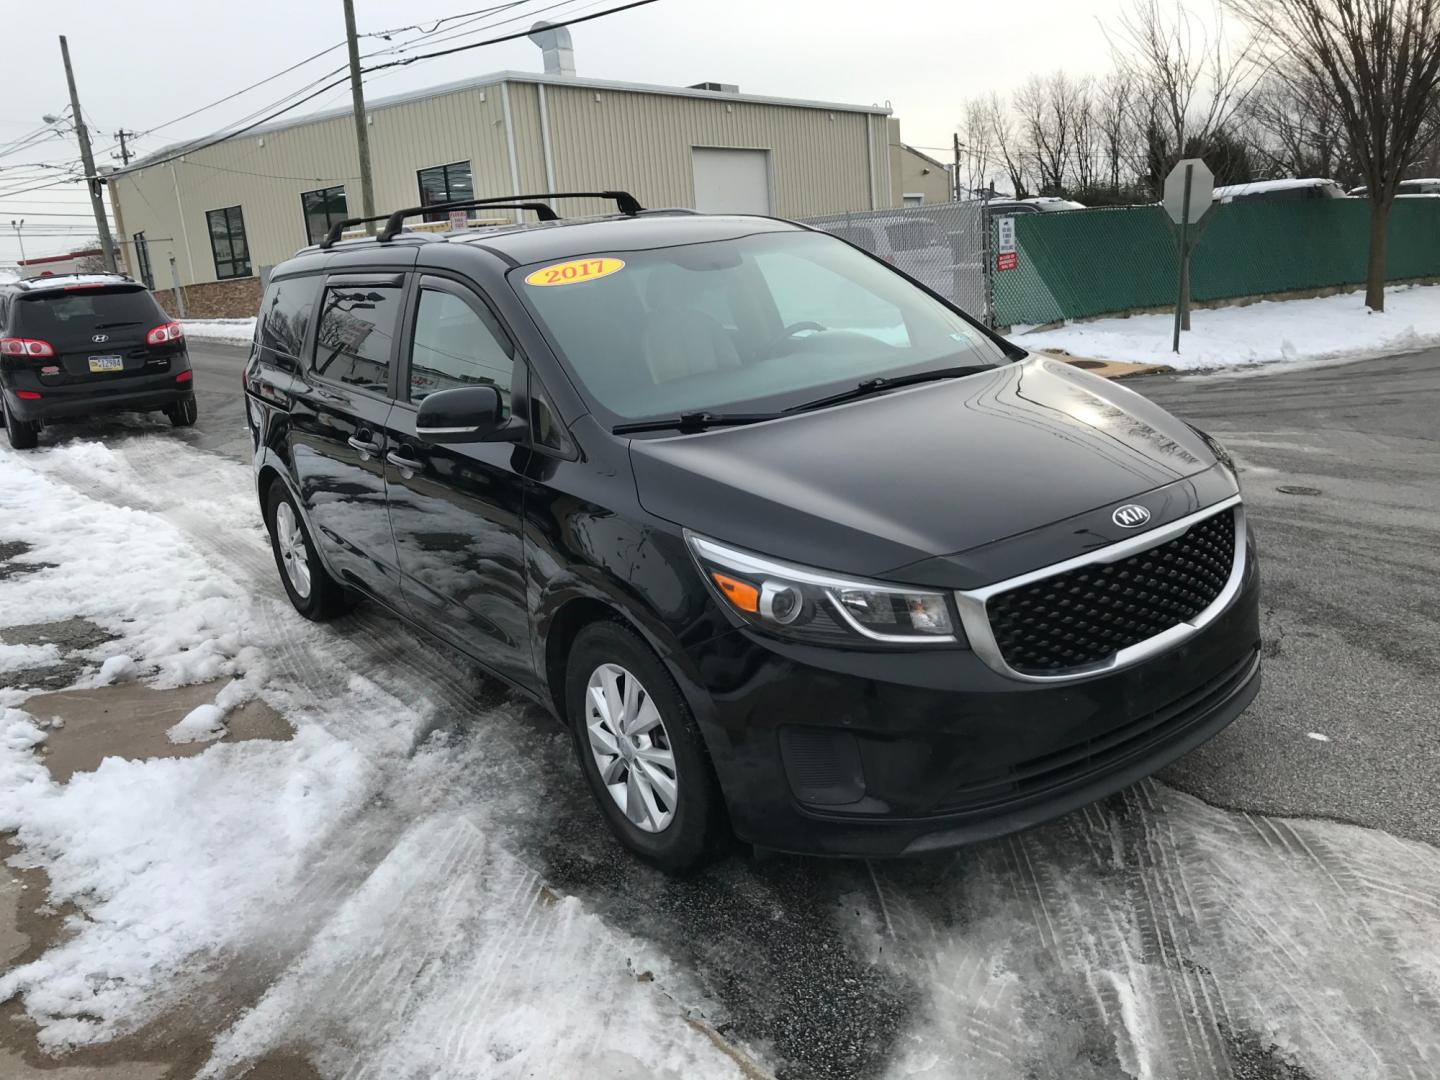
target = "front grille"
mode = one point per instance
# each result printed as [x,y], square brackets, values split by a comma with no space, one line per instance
[1080,762]
[1086,615]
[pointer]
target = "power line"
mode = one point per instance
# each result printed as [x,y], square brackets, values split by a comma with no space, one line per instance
[225,137]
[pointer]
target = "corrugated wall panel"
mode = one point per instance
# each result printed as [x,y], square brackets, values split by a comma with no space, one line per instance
[600,138]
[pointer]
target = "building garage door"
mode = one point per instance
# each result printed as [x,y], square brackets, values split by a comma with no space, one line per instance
[732,181]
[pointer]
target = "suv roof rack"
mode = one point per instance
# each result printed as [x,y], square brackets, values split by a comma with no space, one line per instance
[541,210]
[626,203]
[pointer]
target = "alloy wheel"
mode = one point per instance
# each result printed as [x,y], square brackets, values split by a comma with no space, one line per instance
[290,539]
[631,748]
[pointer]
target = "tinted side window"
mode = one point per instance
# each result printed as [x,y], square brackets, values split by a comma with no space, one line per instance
[353,339]
[456,346]
[285,316]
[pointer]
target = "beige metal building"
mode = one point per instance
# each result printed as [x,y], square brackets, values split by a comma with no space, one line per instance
[227,211]
[916,178]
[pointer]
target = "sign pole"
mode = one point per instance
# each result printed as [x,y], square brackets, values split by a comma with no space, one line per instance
[1182,313]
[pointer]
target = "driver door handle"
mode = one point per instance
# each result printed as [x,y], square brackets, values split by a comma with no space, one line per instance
[364,445]
[403,463]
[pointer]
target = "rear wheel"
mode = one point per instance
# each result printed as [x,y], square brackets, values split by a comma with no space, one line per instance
[182,413]
[641,750]
[315,594]
[23,434]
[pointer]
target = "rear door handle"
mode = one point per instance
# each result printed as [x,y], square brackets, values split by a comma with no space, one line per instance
[403,463]
[364,445]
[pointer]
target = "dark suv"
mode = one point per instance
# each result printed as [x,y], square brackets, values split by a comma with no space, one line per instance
[793,546]
[83,344]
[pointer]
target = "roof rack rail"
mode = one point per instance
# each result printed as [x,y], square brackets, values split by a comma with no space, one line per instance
[624,201]
[541,210]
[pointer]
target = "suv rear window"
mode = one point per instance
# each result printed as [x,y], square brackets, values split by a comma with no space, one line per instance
[71,317]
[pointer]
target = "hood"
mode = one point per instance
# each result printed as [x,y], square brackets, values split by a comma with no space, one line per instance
[934,470]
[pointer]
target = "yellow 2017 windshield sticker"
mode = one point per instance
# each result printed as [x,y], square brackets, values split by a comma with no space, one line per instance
[574,272]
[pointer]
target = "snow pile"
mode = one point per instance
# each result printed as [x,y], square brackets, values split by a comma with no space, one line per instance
[19,657]
[226,331]
[201,724]
[166,857]
[1300,331]
[126,569]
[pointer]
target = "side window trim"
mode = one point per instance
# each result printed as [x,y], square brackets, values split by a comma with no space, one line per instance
[355,278]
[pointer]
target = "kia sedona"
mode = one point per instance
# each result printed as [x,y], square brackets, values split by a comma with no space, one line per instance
[75,346]
[797,551]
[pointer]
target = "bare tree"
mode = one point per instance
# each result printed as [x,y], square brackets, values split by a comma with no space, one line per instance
[1379,63]
[1193,80]
[1046,111]
[992,144]
[1292,125]
[1116,130]
[1085,140]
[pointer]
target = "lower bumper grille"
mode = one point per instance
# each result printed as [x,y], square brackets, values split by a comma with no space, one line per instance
[1086,615]
[1074,764]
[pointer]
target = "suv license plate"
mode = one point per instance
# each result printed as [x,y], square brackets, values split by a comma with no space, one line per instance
[107,363]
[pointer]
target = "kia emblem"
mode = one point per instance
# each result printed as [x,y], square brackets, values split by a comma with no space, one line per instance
[98,338]
[1130,516]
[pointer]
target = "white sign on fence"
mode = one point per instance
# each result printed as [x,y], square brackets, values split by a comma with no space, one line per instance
[458,219]
[1004,235]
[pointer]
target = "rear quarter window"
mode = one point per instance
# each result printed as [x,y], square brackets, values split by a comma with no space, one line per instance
[286,312]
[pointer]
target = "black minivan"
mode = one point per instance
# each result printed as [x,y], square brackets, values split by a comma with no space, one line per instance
[795,548]
[76,345]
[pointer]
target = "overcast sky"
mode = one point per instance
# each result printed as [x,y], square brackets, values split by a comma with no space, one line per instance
[143,62]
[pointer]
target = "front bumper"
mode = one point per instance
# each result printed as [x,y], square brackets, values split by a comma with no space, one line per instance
[881,754]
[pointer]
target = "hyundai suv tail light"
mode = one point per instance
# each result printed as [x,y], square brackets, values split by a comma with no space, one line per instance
[161,334]
[19,346]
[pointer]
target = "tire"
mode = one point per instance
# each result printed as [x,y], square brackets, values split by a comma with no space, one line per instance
[684,824]
[182,413]
[315,594]
[23,434]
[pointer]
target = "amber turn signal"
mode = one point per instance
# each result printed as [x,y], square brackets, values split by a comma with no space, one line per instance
[742,594]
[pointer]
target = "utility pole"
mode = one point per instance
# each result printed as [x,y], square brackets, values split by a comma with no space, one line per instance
[92,181]
[362,133]
[19,227]
[125,154]
[956,137]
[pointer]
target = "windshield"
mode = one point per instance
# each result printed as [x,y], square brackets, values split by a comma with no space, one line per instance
[67,318]
[760,322]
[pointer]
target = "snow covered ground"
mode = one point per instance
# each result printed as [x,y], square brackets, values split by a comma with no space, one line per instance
[1294,332]
[226,331]
[416,885]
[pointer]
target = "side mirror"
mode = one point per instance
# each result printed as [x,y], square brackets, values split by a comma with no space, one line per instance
[466,414]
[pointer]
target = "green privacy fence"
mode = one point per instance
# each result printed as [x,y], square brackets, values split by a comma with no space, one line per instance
[1089,262]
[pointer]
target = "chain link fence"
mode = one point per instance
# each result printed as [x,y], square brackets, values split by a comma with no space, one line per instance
[944,246]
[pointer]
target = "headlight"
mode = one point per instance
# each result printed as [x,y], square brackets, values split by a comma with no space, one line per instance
[820,608]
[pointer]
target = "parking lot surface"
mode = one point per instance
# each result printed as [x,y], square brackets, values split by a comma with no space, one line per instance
[1265,909]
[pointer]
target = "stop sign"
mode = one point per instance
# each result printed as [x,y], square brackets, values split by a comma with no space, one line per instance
[1202,190]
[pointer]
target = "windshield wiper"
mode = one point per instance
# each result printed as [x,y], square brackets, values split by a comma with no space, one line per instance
[877,385]
[695,421]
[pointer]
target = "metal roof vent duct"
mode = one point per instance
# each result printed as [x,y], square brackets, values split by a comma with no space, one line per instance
[554,42]
[717,87]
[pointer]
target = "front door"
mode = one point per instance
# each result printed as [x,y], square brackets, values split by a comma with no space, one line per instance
[338,429]
[456,510]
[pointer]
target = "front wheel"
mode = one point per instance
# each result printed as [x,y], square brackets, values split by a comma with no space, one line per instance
[641,750]
[312,590]
[23,434]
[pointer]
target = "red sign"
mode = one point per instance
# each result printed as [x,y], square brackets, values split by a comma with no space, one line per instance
[1007,260]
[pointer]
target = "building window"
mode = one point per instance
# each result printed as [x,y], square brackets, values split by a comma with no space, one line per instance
[322,209]
[914,200]
[142,259]
[227,242]
[445,183]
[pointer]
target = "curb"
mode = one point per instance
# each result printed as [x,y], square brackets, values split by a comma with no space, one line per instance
[1108,369]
